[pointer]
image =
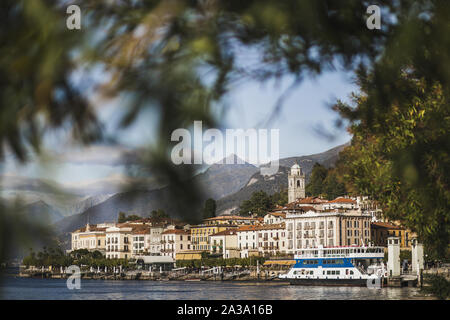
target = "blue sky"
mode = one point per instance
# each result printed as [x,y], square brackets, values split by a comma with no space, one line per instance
[305,110]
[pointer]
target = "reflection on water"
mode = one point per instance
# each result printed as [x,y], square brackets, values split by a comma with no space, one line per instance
[55,289]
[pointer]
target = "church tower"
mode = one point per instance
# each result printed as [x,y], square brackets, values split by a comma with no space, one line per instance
[296,182]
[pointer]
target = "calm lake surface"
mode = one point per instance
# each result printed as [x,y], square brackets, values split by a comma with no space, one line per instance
[55,289]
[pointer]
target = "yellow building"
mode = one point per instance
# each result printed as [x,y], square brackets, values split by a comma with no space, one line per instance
[200,234]
[230,220]
[380,231]
[91,237]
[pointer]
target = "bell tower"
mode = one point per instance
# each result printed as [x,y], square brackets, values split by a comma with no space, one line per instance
[296,181]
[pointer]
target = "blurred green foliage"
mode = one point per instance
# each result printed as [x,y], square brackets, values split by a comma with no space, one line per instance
[404,163]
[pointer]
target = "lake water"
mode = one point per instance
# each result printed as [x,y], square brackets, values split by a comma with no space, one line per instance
[56,289]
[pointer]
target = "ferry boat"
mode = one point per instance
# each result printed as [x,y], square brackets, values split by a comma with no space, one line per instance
[336,266]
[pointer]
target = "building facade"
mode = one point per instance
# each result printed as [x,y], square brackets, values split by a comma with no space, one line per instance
[90,237]
[381,231]
[272,239]
[274,218]
[225,243]
[155,239]
[247,237]
[175,241]
[200,234]
[119,242]
[329,229]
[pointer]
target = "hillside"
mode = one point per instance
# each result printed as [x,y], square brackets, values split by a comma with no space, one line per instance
[42,213]
[218,180]
[274,183]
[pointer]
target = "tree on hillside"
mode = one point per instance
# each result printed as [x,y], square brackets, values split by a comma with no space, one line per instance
[325,183]
[124,218]
[209,211]
[332,186]
[280,198]
[160,213]
[259,203]
[315,187]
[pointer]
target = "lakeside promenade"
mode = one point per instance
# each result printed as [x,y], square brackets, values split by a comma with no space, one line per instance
[242,274]
[183,275]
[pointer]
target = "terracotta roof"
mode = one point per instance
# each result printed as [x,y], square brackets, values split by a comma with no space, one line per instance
[140,229]
[214,226]
[271,226]
[229,218]
[278,214]
[298,206]
[385,225]
[247,228]
[342,200]
[312,200]
[308,208]
[228,232]
[92,227]
[176,231]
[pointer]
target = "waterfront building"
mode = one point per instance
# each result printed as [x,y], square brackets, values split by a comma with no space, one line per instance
[225,243]
[155,263]
[296,183]
[381,231]
[155,244]
[119,241]
[141,239]
[274,218]
[314,202]
[340,203]
[327,228]
[174,241]
[371,207]
[200,234]
[247,237]
[91,237]
[271,239]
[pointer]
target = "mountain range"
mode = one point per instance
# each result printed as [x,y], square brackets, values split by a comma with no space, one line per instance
[229,185]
